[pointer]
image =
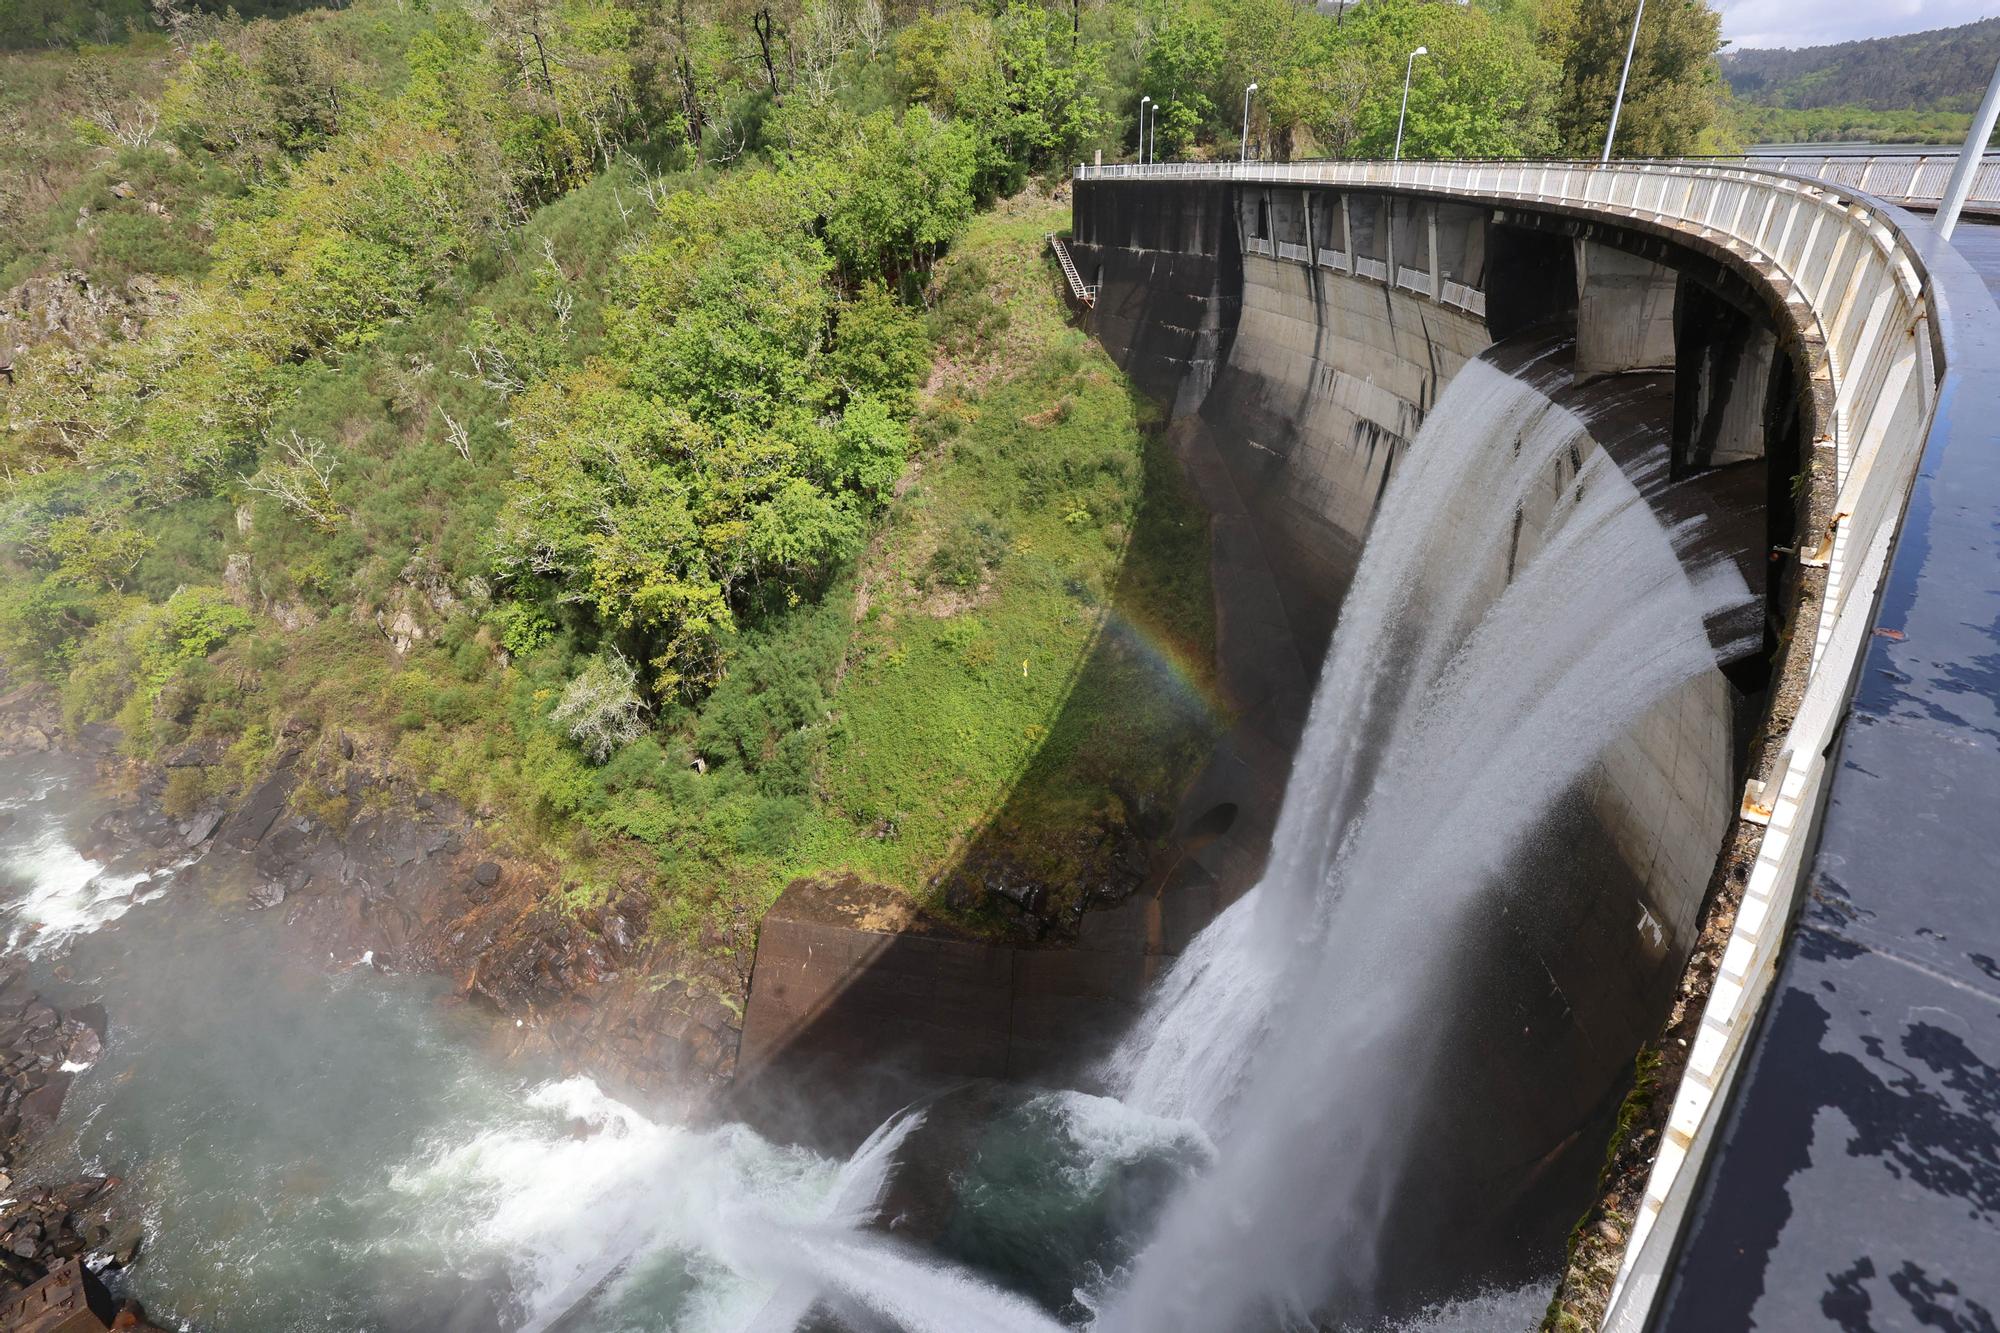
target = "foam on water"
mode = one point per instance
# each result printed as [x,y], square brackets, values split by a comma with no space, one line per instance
[1106,1135]
[1502,1310]
[65,893]
[597,1207]
[579,1186]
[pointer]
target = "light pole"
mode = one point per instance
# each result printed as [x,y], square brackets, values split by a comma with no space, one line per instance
[1969,158]
[1409,68]
[1618,103]
[1142,129]
[1245,157]
[1153,153]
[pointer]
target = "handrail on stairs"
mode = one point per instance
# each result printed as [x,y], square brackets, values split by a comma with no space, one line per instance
[1083,291]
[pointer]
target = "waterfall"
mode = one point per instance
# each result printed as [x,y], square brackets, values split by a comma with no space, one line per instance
[1517,607]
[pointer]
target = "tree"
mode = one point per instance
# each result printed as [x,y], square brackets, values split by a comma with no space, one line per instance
[1182,72]
[1024,82]
[1483,90]
[897,192]
[1675,90]
[600,708]
[217,104]
[304,86]
[1052,110]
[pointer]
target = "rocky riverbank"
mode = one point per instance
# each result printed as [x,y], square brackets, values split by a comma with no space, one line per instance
[362,866]
[44,1226]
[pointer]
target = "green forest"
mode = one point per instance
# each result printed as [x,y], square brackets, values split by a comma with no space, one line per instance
[655,423]
[1916,88]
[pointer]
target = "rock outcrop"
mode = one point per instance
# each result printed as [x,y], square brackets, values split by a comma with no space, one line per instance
[45,1226]
[365,867]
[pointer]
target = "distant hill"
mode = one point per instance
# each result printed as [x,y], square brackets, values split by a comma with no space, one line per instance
[1942,70]
[27,25]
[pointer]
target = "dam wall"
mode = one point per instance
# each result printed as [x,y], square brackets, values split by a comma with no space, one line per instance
[1296,373]
[1312,336]
[1775,354]
[1351,311]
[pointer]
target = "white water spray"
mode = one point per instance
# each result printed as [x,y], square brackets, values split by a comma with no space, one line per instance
[65,894]
[1516,609]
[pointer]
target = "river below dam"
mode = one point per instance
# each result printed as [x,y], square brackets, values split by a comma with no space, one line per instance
[314,1143]
[317,1144]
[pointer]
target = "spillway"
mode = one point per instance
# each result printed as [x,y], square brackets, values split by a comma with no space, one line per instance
[1499,618]
[1343,1030]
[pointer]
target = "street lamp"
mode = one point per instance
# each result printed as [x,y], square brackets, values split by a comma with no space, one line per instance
[1409,68]
[1153,152]
[1142,129]
[1246,121]
[1618,103]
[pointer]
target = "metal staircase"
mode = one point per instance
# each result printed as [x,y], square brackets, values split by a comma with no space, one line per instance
[1083,291]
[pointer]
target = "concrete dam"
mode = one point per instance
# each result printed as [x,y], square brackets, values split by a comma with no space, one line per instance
[1596,555]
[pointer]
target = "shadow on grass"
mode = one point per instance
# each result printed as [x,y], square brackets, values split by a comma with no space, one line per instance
[1095,865]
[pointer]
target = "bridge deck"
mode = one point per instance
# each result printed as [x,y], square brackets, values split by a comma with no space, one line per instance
[1855,1178]
[1980,244]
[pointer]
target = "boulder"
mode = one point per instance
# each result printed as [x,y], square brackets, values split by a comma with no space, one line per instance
[486,874]
[267,894]
[84,1048]
[294,615]
[40,1108]
[201,828]
[99,739]
[237,578]
[404,632]
[197,754]
[251,822]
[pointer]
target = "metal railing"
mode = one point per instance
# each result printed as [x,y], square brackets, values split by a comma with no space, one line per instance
[1900,178]
[1854,286]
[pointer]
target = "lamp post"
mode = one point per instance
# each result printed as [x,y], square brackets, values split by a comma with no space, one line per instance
[1618,102]
[1245,156]
[1409,68]
[1142,129]
[1969,158]
[1153,152]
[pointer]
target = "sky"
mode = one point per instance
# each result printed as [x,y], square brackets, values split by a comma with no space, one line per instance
[1818,22]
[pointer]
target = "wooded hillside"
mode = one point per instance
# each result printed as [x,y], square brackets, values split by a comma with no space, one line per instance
[1942,70]
[653,423]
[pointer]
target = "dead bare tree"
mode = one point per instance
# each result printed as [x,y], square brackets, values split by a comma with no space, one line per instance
[301,479]
[766,28]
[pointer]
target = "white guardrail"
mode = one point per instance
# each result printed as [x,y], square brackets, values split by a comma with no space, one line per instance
[1851,283]
[1900,178]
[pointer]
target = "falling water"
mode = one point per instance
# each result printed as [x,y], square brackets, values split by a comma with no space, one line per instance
[1518,606]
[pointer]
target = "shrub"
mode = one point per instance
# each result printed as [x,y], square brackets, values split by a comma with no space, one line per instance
[187,790]
[600,709]
[969,549]
[966,319]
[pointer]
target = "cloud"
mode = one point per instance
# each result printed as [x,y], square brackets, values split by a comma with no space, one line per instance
[1792,23]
